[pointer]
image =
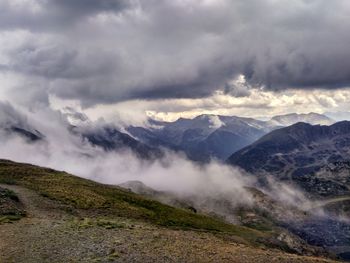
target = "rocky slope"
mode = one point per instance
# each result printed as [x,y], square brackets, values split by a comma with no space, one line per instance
[303,154]
[303,229]
[72,219]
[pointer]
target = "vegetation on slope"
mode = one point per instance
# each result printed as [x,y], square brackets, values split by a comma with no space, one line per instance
[10,207]
[102,199]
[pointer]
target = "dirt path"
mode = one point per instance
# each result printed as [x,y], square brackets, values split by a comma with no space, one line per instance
[49,234]
[36,206]
[19,238]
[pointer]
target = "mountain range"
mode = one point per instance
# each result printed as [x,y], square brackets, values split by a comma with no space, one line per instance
[201,139]
[213,136]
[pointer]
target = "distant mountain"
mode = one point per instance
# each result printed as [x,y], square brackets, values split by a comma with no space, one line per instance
[339,115]
[311,118]
[214,136]
[30,135]
[111,139]
[303,154]
[14,123]
[25,132]
[204,137]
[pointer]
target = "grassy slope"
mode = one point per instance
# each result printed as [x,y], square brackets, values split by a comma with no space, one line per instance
[113,201]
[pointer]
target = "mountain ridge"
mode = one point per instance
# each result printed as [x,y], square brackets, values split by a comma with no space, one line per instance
[299,153]
[210,136]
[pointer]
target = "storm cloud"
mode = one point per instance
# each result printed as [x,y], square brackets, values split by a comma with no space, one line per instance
[107,51]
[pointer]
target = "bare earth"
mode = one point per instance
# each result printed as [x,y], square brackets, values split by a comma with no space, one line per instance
[51,233]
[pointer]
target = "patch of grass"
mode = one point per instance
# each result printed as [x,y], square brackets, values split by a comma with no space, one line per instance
[104,199]
[100,222]
[262,226]
[110,224]
[9,218]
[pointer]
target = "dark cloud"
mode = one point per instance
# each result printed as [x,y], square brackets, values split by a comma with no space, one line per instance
[46,15]
[86,7]
[108,51]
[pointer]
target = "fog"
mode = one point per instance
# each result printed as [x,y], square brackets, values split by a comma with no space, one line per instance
[63,150]
[214,187]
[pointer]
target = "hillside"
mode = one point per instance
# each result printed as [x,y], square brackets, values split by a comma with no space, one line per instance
[314,157]
[66,218]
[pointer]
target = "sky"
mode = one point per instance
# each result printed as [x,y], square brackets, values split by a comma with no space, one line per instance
[128,60]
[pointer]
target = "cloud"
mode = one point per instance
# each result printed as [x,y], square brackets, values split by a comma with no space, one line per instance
[101,52]
[258,104]
[215,122]
[53,15]
[9,116]
[63,150]
[214,187]
[238,87]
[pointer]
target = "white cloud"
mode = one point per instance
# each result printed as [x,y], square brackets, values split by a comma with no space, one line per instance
[258,104]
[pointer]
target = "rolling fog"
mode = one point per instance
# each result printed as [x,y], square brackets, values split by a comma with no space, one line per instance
[65,151]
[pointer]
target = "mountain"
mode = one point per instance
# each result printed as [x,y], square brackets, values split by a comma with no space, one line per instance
[214,136]
[305,154]
[311,118]
[204,137]
[30,135]
[71,219]
[26,132]
[304,230]
[14,123]
[110,138]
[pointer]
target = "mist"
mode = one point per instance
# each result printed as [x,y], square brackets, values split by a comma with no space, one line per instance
[213,187]
[63,150]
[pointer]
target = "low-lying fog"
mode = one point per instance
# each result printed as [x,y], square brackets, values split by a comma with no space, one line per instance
[65,151]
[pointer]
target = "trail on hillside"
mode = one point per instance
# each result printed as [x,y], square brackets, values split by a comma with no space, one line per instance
[36,206]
